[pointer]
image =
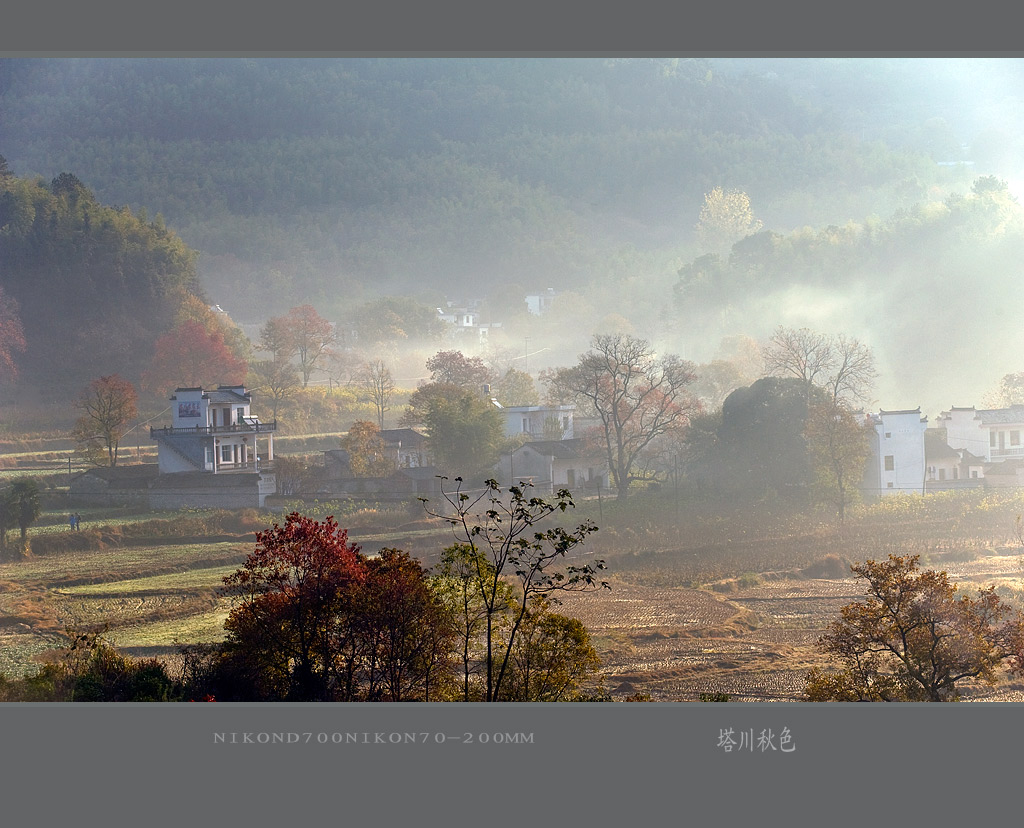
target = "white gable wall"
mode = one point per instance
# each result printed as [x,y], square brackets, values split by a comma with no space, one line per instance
[897,462]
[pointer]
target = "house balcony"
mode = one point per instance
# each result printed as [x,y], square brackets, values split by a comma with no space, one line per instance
[234,428]
[251,467]
[1009,453]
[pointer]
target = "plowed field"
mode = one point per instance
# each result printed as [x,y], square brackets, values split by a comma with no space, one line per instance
[755,644]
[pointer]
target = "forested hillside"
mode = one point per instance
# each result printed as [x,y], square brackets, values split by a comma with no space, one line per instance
[342,178]
[93,285]
[872,195]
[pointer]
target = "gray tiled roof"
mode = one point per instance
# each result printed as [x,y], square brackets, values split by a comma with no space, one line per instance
[226,395]
[936,448]
[998,416]
[562,449]
[205,480]
[130,476]
[406,436]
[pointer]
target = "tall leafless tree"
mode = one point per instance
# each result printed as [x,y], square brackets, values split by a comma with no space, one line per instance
[840,365]
[636,395]
[379,386]
[276,379]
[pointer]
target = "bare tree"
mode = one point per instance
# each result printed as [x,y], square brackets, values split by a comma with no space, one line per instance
[637,396]
[853,372]
[107,404]
[344,366]
[840,365]
[275,379]
[801,353]
[379,386]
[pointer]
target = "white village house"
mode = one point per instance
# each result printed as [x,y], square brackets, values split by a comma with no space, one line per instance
[896,462]
[552,465]
[213,431]
[948,467]
[214,454]
[993,434]
[968,447]
[538,422]
[466,321]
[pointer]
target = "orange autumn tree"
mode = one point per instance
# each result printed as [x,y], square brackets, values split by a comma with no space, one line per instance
[190,356]
[301,333]
[914,637]
[108,405]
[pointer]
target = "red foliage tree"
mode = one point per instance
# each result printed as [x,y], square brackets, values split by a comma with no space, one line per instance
[293,627]
[12,336]
[317,621]
[453,368]
[312,338]
[191,356]
[407,631]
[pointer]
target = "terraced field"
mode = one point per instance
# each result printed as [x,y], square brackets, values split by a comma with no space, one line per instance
[756,644]
[714,616]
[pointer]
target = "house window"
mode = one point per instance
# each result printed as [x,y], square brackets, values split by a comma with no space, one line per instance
[890,462]
[526,425]
[225,454]
[209,456]
[956,473]
[1014,438]
[942,474]
[889,485]
[974,472]
[570,478]
[888,434]
[992,439]
[239,414]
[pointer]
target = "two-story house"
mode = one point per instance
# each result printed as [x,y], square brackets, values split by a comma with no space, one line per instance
[213,431]
[215,452]
[995,434]
[896,462]
[539,422]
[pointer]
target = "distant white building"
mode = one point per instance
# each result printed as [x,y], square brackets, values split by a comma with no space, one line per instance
[551,465]
[539,303]
[466,321]
[994,434]
[538,422]
[897,453]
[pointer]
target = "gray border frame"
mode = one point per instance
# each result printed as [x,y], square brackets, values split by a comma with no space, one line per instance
[618,764]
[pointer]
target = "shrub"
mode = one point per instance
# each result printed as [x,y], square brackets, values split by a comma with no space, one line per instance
[91,670]
[748,580]
[831,566]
